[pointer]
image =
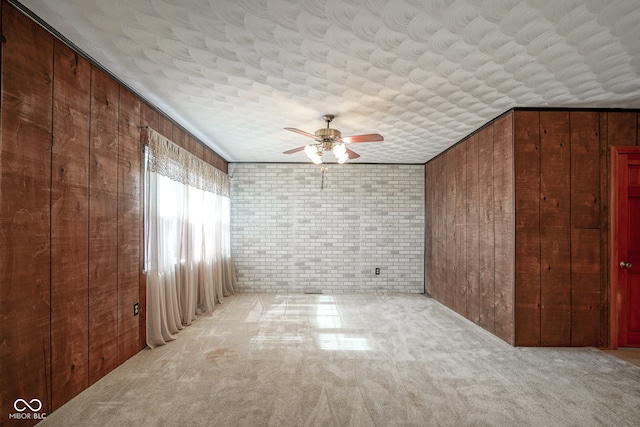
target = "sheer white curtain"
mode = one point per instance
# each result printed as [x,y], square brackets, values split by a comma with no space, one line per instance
[187,238]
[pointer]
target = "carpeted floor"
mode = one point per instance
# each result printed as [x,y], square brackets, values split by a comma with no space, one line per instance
[631,355]
[354,360]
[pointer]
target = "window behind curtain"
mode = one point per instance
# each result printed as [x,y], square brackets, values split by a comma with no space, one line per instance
[187,238]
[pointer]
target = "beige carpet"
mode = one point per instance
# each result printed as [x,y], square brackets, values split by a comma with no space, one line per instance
[354,360]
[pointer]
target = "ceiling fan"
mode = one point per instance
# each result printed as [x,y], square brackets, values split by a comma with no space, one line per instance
[328,139]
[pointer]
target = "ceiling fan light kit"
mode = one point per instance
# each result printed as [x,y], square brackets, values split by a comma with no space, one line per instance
[328,139]
[313,153]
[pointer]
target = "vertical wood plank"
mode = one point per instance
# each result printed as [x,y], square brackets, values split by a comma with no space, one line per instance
[192,144]
[181,139]
[527,219]
[442,230]
[165,127]
[437,231]
[622,128]
[450,206]
[103,227]
[473,223]
[433,190]
[504,226]
[585,289]
[460,235]
[555,169]
[208,156]
[585,228]
[527,168]
[604,229]
[555,287]
[555,222]
[1,7]
[129,213]
[25,183]
[198,148]
[585,169]
[430,192]
[434,223]
[222,164]
[486,229]
[70,224]
[527,291]
[149,116]
[437,215]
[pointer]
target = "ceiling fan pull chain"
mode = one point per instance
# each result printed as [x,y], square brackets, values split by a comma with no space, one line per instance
[324,169]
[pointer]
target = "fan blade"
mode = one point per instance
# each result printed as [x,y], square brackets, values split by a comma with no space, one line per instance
[352,154]
[370,137]
[295,150]
[301,132]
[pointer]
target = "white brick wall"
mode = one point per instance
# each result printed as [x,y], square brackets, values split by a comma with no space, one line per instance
[288,235]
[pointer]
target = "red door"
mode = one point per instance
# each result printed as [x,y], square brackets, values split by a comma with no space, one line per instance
[626,237]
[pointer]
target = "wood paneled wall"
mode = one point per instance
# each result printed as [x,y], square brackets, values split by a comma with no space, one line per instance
[470,232]
[537,179]
[562,168]
[25,214]
[70,217]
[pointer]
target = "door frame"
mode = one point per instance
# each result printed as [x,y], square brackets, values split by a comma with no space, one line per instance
[616,153]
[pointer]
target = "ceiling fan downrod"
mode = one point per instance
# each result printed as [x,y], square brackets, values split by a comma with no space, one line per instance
[327,134]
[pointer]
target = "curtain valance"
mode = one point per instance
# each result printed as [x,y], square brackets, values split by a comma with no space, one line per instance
[168,159]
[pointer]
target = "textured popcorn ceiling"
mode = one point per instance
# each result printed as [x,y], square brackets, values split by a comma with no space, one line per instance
[422,73]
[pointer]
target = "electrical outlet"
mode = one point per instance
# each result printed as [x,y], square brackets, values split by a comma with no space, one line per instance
[136,309]
[377,271]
